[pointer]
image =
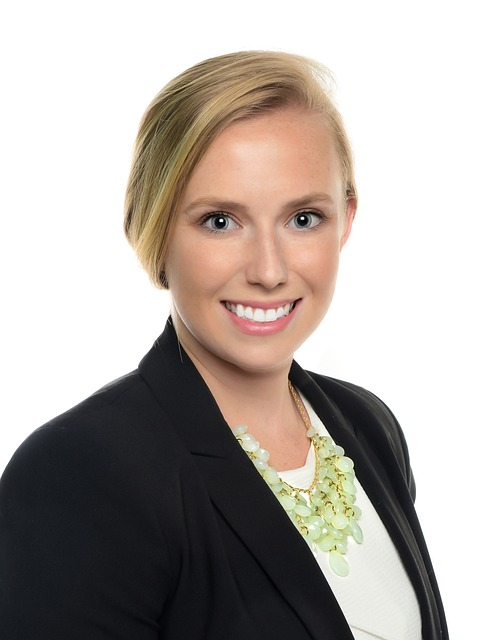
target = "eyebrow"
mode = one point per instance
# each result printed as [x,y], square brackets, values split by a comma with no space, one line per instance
[218,203]
[309,199]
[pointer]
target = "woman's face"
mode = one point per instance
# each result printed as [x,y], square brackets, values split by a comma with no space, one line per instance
[253,259]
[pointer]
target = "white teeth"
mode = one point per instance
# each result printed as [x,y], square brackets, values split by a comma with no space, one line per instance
[258,314]
[270,315]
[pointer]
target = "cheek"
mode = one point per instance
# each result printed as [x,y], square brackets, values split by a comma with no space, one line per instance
[320,263]
[198,268]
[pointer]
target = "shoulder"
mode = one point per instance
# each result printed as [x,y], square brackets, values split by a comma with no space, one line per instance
[370,419]
[116,432]
[109,409]
[354,400]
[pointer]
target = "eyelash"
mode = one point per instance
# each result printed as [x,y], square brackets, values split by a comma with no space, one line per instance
[220,214]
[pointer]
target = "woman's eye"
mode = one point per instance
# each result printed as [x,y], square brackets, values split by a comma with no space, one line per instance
[306,220]
[218,222]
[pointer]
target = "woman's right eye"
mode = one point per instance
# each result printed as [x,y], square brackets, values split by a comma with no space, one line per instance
[218,222]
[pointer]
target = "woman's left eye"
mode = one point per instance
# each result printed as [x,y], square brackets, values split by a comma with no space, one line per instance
[218,222]
[306,220]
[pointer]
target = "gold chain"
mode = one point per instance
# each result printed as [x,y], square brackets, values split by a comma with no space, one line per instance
[309,426]
[300,406]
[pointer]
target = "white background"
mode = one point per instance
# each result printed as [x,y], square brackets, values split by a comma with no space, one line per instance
[417,314]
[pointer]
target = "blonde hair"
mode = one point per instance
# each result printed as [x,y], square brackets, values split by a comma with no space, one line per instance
[189,113]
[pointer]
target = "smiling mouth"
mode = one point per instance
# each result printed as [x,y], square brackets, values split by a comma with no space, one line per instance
[256,314]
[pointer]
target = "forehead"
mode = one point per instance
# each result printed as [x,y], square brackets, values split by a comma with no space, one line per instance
[289,140]
[284,119]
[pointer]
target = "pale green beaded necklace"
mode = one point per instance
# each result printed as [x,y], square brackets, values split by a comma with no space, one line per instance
[325,513]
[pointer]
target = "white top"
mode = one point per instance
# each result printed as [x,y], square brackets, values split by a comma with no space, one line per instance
[376,597]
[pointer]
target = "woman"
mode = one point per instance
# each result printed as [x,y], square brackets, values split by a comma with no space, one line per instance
[220,491]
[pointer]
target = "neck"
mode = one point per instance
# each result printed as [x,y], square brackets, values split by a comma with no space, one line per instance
[261,400]
[245,395]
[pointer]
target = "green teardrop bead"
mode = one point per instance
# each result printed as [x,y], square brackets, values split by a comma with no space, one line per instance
[356,531]
[302,511]
[326,543]
[287,502]
[313,532]
[349,487]
[339,564]
[339,521]
[271,476]
[344,464]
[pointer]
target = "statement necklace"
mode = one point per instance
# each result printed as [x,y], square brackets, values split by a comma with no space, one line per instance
[325,513]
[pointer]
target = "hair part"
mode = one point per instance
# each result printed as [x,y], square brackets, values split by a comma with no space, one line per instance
[191,111]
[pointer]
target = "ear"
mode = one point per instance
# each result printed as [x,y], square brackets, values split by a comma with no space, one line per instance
[350,216]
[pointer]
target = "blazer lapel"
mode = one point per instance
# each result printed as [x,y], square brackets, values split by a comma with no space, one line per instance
[390,497]
[237,490]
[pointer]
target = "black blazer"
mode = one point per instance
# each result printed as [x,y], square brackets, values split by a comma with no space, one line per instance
[136,515]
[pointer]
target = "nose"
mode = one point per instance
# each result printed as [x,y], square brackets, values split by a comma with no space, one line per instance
[266,260]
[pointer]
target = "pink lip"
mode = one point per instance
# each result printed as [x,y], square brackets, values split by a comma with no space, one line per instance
[262,328]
